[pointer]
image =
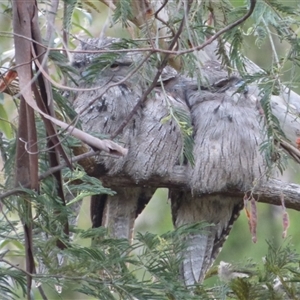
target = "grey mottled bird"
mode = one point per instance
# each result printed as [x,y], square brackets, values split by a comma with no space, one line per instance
[103,116]
[227,136]
[152,136]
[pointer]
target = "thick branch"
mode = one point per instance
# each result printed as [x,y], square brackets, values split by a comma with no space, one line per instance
[271,192]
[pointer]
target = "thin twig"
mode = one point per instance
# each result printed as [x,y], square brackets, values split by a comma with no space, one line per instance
[43,294]
[49,172]
[156,50]
[222,31]
[35,275]
[161,20]
[152,86]
[51,20]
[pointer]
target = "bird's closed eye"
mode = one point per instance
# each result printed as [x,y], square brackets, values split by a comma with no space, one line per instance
[78,64]
[114,66]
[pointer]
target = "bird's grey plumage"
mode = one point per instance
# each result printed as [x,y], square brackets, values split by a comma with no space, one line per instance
[227,138]
[159,143]
[219,212]
[104,116]
[118,213]
[153,138]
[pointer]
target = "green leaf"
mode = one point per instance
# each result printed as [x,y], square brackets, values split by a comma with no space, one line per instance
[123,12]
[5,125]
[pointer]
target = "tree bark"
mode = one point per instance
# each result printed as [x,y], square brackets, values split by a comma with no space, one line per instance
[271,192]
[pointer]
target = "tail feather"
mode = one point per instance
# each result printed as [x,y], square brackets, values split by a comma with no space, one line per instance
[118,212]
[202,248]
[193,261]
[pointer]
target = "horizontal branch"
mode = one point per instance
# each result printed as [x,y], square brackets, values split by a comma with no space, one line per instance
[271,192]
[84,159]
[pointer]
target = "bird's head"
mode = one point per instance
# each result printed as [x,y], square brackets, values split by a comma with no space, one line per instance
[101,57]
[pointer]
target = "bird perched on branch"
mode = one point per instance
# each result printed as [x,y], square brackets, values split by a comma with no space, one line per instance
[153,135]
[227,138]
[103,111]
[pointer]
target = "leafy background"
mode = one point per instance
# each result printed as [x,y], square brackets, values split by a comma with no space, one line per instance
[156,218]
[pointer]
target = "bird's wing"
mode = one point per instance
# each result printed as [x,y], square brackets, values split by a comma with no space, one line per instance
[159,140]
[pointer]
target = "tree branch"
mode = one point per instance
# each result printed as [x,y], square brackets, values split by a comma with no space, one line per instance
[51,171]
[143,10]
[271,192]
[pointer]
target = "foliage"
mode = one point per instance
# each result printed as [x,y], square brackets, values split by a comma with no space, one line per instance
[107,269]
[278,278]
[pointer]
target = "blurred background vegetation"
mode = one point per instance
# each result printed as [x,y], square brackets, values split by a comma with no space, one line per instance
[156,218]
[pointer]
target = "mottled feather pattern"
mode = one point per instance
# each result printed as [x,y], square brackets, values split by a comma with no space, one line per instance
[104,116]
[202,248]
[154,144]
[158,143]
[119,212]
[227,137]
[106,113]
[152,137]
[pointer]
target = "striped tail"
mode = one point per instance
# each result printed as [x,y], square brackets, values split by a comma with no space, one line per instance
[118,212]
[203,247]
